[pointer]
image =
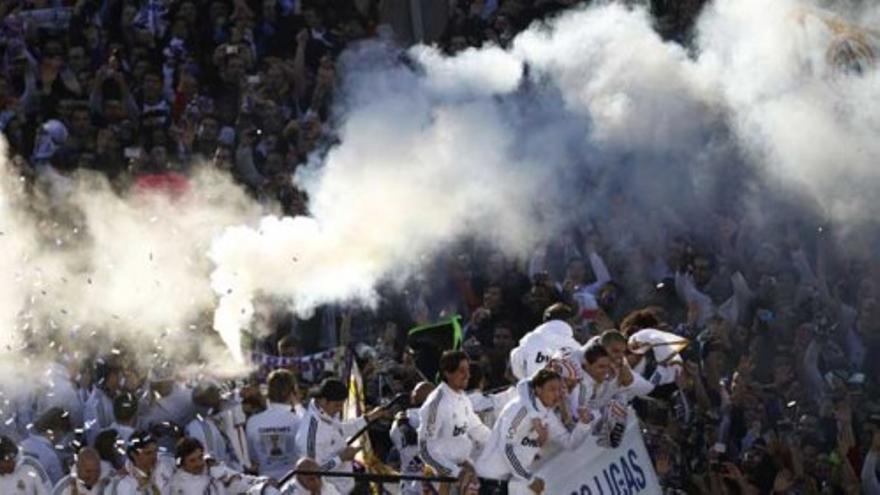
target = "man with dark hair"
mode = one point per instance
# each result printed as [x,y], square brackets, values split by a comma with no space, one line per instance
[99,406]
[196,475]
[207,427]
[107,448]
[628,383]
[597,368]
[272,433]
[125,408]
[522,432]
[558,311]
[448,425]
[639,319]
[19,476]
[144,473]
[614,344]
[599,393]
[47,432]
[192,475]
[324,435]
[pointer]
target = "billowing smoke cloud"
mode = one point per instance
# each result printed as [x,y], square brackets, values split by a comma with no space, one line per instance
[801,85]
[90,269]
[423,160]
[17,240]
[508,145]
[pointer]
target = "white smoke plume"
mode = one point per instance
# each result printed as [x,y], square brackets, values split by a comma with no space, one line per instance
[423,160]
[507,145]
[92,269]
[494,143]
[17,240]
[801,84]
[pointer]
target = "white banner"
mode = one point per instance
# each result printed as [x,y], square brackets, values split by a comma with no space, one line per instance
[594,470]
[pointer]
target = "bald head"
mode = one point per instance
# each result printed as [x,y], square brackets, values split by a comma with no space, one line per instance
[420,393]
[88,466]
[310,482]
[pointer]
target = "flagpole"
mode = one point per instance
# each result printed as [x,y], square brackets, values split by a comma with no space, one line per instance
[370,477]
[399,398]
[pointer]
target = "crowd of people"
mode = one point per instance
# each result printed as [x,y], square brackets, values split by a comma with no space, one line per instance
[142,90]
[744,349]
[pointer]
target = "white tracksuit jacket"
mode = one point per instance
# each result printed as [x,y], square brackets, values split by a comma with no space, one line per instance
[62,392]
[448,430]
[65,486]
[41,449]
[323,438]
[513,446]
[536,348]
[669,362]
[25,480]
[185,483]
[293,487]
[610,388]
[97,413]
[160,479]
[405,440]
[271,437]
[488,406]
[237,483]
[207,430]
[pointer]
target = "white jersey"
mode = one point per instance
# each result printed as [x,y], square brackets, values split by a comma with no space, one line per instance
[449,430]
[271,438]
[513,446]
[640,387]
[235,482]
[41,449]
[123,432]
[129,484]
[209,431]
[66,487]
[536,348]
[664,347]
[25,480]
[293,487]
[404,437]
[98,413]
[488,406]
[185,483]
[233,421]
[176,407]
[609,389]
[323,438]
[62,392]
[592,394]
